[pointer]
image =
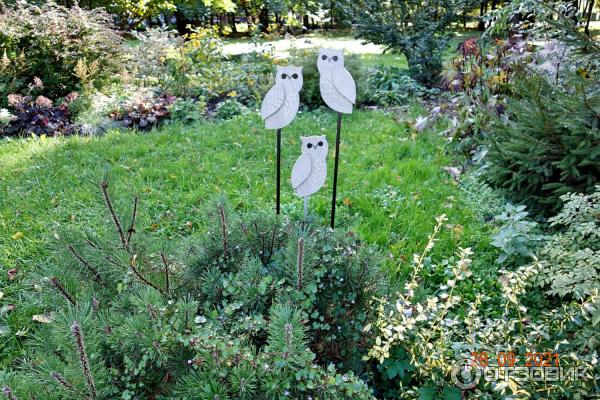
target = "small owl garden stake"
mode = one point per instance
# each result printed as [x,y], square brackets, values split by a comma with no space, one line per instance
[279,108]
[338,91]
[310,169]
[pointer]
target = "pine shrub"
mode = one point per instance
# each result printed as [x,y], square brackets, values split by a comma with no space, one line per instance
[549,144]
[256,308]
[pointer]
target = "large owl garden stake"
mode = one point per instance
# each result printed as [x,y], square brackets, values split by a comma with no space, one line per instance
[279,109]
[338,91]
[310,169]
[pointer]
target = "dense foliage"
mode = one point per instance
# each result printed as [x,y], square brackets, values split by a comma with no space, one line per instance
[548,144]
[570,260]
[531,114]
[195,67]
[420,338]
[63,48]
[414,28]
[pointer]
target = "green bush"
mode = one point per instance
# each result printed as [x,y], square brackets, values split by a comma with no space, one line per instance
[571,258]
[548,144]
[196,67]
[230,108]
[517,236]
[311,94]
[391,86]
[256,308]
[419,30]
[187,110]
[52,50]
[422,337]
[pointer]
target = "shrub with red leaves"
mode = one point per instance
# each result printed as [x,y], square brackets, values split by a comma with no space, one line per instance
[39,116]
[146,114]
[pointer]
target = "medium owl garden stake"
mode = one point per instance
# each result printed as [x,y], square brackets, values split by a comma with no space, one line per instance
[279,109]
[310,169]
[338,91]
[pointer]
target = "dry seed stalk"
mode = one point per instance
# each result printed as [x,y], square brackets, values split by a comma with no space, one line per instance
[113,214]
[83,358]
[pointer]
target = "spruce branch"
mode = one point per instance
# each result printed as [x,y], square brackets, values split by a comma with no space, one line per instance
[63,381]
[7,391]
[83,358]
[133,265]
[300,262]
[56,283]
[166,267]
[113,214]
[131,229]
[224,229]
[86,264]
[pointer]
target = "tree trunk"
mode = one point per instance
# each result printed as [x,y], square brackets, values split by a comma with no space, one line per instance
[248,18]
[331,15]
[263,19]
[181,23]
[231,18]
[588,17]
[305,21]
[482,11]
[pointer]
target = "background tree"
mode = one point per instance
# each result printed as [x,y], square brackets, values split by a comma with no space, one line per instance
[415,28]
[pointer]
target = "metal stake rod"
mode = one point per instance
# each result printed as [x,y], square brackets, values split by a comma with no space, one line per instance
[278,199]
[335,169]
[306,208]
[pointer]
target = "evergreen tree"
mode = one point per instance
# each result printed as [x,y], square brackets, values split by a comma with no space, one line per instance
[549,144]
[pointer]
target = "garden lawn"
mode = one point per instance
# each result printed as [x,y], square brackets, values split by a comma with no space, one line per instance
[371,54]
[391,187]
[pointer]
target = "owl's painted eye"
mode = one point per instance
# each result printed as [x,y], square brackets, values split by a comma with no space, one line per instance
[309,145]
[283,76]
[335,58]
[323,57]
[320,144]
[295,76]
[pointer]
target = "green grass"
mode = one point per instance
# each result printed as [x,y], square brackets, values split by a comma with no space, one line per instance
[49,184]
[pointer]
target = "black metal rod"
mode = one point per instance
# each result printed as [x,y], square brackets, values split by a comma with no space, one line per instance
[335,169]
[278,199]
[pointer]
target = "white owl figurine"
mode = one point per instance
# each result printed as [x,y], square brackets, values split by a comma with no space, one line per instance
[310,169]
[281,103]
[338,89]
